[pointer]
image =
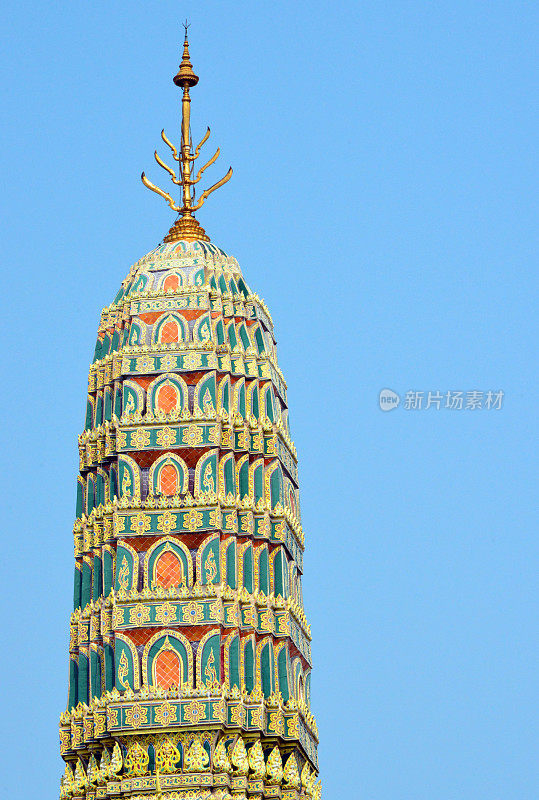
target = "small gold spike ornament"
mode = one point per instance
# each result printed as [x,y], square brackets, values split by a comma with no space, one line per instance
[239,757]
[312,782]
[257,764]
[307,778]
[221,762]
[81,781]
[66,782]
[186,227]
[93,771]
[196,757]
[291,772]
[116,762]
[104,766]
[136,760]
[167,756]
[274,766]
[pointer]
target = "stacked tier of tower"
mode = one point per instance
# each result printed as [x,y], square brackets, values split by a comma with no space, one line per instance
[188,627]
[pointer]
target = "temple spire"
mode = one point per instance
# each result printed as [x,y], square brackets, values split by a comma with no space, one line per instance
[186,227]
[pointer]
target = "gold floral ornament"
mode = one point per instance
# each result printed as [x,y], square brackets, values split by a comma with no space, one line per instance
[168,362]
[166,613]
[140,523]
[219,709]
[167,754]
[256,717]
[192,520]
[237,715]
[107,528]
[145,364]
[216,611]
[119,524]
[193,612]
[213,434]
[136,716]
[121,440]
[165,714]
[231,521]
[192,435]
[139,614]
[140,438]
[76,735]
[192,361]
[166,522]
[65,740]
[117,618]
[194,712]
[276,722]
[100,724]
[112,718]
[166,437]
[247,524]
[293,726]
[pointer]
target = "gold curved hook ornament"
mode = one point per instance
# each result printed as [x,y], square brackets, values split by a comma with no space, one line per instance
[167,168]
[205,167]
[157,190]
[206,193]
[167,141]
[199,145]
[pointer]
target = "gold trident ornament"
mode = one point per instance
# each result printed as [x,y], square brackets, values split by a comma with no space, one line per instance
[186,227]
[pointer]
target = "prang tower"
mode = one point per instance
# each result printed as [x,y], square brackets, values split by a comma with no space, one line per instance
[189,651]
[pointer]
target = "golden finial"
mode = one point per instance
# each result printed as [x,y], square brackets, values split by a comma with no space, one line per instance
[186,227]
[185,75]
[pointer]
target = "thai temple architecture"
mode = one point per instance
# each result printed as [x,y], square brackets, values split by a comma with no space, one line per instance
[189,649]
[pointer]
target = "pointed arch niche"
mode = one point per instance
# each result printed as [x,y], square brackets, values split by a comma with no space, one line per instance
[172,281]
[167,660]
[168,563]
[168,393]
[168,476]
[169,328]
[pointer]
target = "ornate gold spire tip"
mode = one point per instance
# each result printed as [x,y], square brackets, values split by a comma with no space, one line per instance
[186,227]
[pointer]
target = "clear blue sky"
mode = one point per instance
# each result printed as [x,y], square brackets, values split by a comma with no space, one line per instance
[383,203]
